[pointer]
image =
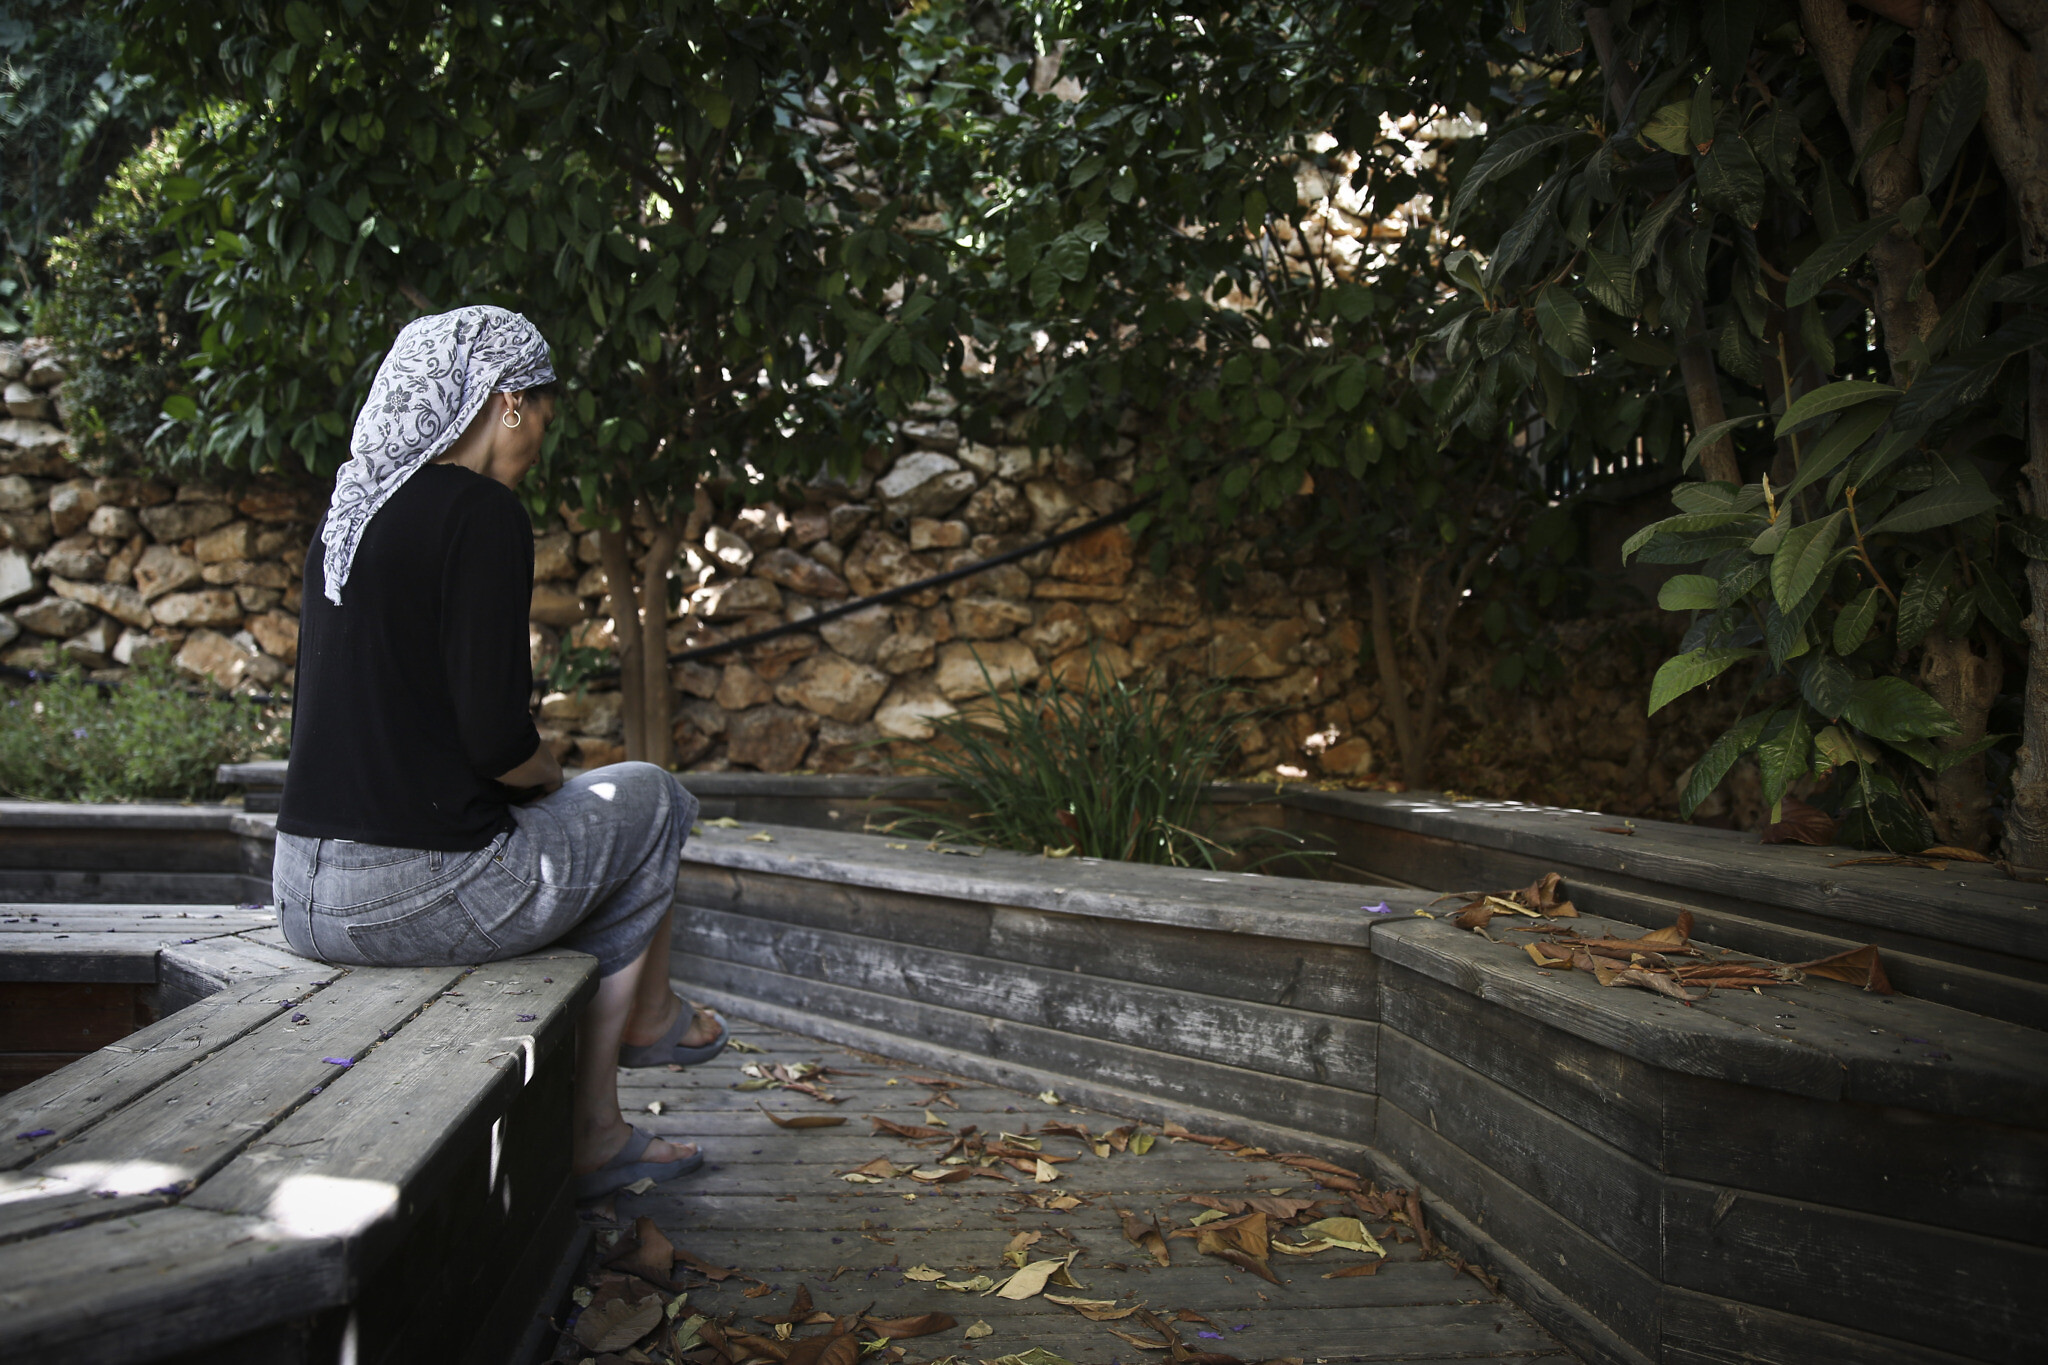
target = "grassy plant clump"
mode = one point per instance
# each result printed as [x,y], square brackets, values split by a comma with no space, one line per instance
[152,737]
[1102,770]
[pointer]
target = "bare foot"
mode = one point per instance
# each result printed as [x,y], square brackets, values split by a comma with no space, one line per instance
[588,1155]
[703,1027]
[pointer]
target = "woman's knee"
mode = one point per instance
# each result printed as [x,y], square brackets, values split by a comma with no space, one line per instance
[652,788]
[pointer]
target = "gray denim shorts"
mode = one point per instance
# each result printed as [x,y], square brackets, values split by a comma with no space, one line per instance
[590,867]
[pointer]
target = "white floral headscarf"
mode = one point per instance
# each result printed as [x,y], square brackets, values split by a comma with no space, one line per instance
[433,382]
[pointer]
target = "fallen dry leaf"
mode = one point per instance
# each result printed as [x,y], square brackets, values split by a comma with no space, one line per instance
[1800,823]
[803,1120]
[618,1324]
[649,1254]
[1034,1277]
[1044,1172]
[1149,1239]
[978,1331]
[1302,1161]
[924,1274]
[1095,1310]
[1857,966]
[1174,1130]
[923,1325]
[980,1284]
[1960,855]
[702,1266]
[1363,1268]
[907,1130]
[840,1349]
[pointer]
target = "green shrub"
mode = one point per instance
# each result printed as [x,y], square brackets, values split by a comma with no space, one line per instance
[1102,770]
[151,737]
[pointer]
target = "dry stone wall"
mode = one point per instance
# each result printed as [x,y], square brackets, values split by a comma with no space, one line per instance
[97,570]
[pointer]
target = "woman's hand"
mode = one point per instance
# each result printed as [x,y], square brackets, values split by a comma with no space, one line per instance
[542,771]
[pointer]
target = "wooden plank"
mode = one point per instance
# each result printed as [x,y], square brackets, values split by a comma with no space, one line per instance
[127,887]
[1283,1042]
[188,1127]
[1878,1275]
[192,971]
[1245,903]
[1700,1329]
[70,1016]
[116,958]
[1635,1023]
[1307,1105]
[160,1282]
[72,1101]
[1984,909]
[18,1069]
[1611,1290]
[1954,1173]
[1325,978]
[438,1084]
[1599,1188]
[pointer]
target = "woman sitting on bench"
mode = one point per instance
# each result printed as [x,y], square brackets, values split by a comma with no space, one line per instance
[424,823]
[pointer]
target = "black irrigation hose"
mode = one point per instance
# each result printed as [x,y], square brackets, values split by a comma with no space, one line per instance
[887,595]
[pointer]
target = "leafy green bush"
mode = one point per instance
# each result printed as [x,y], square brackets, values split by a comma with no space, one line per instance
[1103,770]
[125,335]
[153,736]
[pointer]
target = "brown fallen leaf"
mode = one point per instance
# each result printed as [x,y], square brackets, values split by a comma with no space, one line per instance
[1678,935]
[649,1255]
[751,1346]
[759,1291]
[1142,1344]
[1095,1310]
[915,1131]
[1857,966]
[1612,829]
[1349,1271]
[1061,1128]
[1174,1130]
[942,1175]
[1545,895]
[1954,854]
[1413,1208]
[834,1350]
[617,1324]
[702,1266]
[1149,1239]
[923,1325]
[803,1120]
[1895,860]
[1658,982]
[1800,823]
[1304,1162]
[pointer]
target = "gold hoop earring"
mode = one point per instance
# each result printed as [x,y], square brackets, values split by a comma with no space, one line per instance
[511,418]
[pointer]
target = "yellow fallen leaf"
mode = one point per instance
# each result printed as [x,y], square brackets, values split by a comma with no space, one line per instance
[856,1178]
[1049,1096]
[1141,1144]
[980,1284]
[1207,1216]
[1095,1310]
[978,1331]
[1046,1172]
[1052,852]
[897,846]
[1425,914]
[934,1120]
[923,1274]
[1348,1233]
[1033,1278]
[764,837]
[723,822]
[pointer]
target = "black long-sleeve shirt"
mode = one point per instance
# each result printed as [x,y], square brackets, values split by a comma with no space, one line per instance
[412,695]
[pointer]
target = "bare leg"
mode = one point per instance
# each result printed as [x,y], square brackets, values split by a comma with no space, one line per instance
[600,1130]
[655,1005]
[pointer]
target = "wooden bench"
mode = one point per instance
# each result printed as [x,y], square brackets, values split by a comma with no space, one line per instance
[295,1162]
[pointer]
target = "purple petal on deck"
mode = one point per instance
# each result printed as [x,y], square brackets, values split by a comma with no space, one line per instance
[528,1018]
[339,1061]
[36,1133]
[1380,909]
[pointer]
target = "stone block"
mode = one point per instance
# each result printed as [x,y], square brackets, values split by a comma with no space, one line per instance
[799,573]
[278,633]
[989,618]
[859,635]
[932,435]
[257,598]
[739,597]
[844,748]
[554,557]
[94,646]
[162,569]
[72,504]
[925,483]
[998,507]
[1163,601]
[17,577]
[1101,557]
[193,610]
[1243,649]
[807,526]
[174,521]
[210,655]
[729,548]
[597,753]
[1051,504]
[271,504]
[740,687]
[75,556]
[770,738]
[845,521]
[1347,758]
[905,653]
[59,617]
[832,685]
[137,644]
[695,679]
[762,527]
[33,438]
[1111,622]
[19,495]
[236,540]
[927,533]
[25,530]
[114,523]
[908,712]
[1078,668]
[554,605]
[23,401]
[122,603]
[1061,626]
[972,670]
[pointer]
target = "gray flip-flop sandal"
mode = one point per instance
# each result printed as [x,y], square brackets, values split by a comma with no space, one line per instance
[668,1050]
[625,1167]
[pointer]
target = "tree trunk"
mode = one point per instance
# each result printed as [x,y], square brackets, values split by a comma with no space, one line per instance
[622,603]
[2004,36]
[1703,396]
[657,695]
[1394,689]
[1966,683]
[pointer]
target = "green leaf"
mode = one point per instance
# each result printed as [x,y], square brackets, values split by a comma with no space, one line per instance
[1732,181]
[1537,220]
[1785,756]
[1667,128]
[1684,523]
[328,217]
[1852,625]
[1843,393]
[1728,26]
[1892,709]
[1923,599]
[714,104]
[1689,592]
[1840,441]
[1350,386]
[1942,505]
[1827,684]
[1563,323]
[1966,376]
[1714,764]
[1777,145]
[1995,599]
[1068,254]
[1045,286]
[1952,111]
[180,408]
[1801,554]
[1832,257]
[304,24]
[1705,438]
[1511,150]
[1683,673]
[1612,282]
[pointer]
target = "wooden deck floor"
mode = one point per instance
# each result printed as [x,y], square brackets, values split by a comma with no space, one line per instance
[771,1203]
